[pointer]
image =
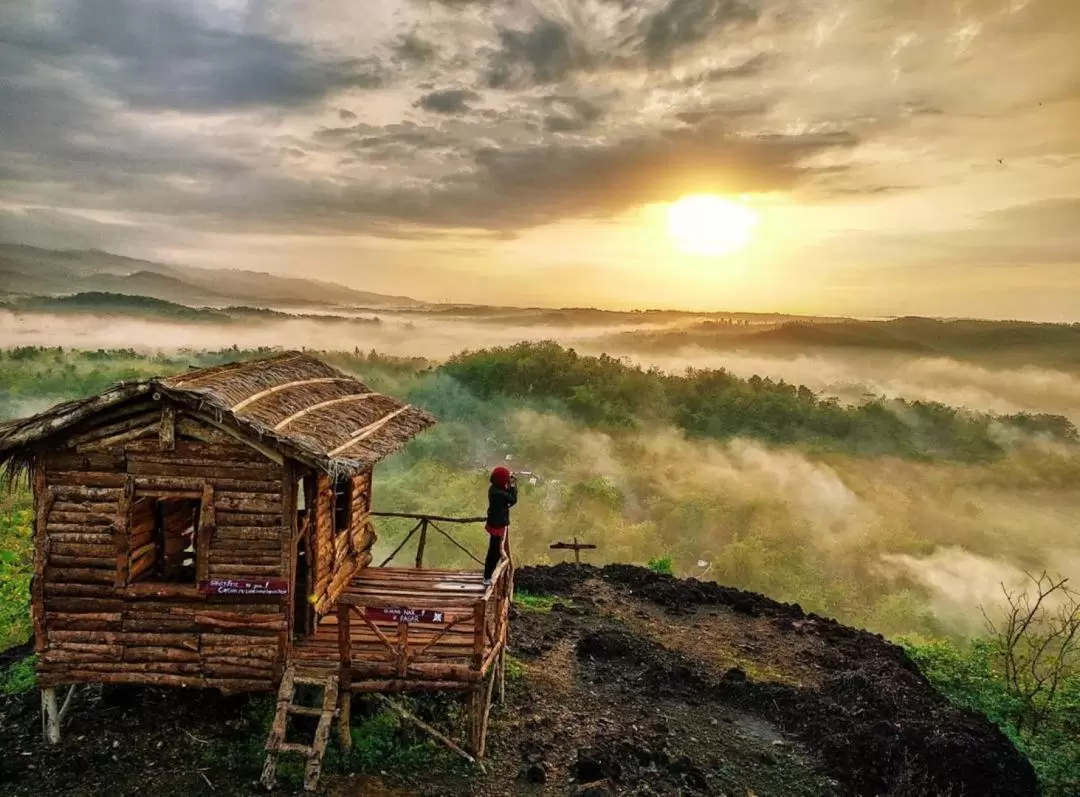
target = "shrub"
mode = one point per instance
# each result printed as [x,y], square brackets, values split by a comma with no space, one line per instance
[662,565]
[18,677]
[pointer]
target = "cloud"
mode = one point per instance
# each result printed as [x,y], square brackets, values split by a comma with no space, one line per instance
[447,101]
[156,55]
[685,22]
[543,184]
[571,114]
[412,48]
[266,118]
[547,52]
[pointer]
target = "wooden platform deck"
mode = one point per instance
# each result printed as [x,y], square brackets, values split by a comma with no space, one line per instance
[409,629]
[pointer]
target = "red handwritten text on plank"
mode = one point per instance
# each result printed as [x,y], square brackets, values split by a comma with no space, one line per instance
[399,614]
[244,586]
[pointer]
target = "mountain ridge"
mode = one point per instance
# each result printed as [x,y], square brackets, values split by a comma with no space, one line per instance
[52,272]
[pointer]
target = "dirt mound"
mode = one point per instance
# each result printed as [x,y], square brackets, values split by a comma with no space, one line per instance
[876,723]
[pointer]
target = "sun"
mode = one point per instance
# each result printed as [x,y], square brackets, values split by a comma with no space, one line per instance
[705,224]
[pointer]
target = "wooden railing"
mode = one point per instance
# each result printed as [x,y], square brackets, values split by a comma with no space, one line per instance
[490,614]
[424,523]
[490,620]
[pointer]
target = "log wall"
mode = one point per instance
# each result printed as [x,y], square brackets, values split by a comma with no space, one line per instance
[338,556]
[95,620]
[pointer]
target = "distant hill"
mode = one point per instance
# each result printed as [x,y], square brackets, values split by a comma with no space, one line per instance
[32,271]
[1016,343]
[99,303]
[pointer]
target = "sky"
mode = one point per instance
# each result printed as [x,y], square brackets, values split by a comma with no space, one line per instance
[903,156]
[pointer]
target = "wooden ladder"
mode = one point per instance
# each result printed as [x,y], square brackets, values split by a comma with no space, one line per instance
[275,742]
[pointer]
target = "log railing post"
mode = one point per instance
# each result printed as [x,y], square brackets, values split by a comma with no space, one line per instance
[479,633]
[345,677]
[344,644]
[402,648]
[420,545]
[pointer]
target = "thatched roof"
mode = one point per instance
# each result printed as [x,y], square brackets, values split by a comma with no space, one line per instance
[290,402]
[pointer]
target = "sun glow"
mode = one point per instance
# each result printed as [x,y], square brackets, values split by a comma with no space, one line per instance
[705,224]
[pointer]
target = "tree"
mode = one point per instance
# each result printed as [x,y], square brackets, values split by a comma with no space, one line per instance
[1037,645]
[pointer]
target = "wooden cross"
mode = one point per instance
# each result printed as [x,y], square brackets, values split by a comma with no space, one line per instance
[575,546]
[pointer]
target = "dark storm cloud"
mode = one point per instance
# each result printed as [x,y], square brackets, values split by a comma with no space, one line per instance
[155,55]
[545,53]
[685,22]
[447,101]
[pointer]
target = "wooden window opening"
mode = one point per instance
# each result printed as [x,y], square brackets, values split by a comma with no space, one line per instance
[342,503]
[164,533]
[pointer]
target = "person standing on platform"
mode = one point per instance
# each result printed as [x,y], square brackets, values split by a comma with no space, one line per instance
[502,494]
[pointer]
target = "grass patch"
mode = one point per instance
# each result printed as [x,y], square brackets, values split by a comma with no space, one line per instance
[662,565]
[18,677]
[535,602]
[515,670]
[381,742]
[16,564]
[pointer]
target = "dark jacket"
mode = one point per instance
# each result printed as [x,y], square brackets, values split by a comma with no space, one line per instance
[499,502]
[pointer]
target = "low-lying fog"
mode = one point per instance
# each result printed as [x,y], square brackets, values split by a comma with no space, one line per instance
[847,374]
[956,531]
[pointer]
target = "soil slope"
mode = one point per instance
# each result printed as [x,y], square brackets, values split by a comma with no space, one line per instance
[633,683]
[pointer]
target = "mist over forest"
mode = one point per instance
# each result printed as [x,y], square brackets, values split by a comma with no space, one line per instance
[893,491]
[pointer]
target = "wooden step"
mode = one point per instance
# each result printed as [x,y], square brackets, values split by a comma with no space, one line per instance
[307,711]
[289,747]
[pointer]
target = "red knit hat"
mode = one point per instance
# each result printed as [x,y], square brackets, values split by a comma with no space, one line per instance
[500,476]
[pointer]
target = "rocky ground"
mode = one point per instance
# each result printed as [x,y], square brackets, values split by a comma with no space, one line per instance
[631,683]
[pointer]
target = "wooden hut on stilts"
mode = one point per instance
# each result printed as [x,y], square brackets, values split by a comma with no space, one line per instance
[214,530]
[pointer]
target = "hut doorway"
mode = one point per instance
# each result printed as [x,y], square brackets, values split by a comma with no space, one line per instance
[302,608]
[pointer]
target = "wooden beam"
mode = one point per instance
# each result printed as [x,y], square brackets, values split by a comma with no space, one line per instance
[322,404]
[207,527]
[440,518]
[266,451]
[122,532]
[345,677]
[480,621]
[420,545]
[50,715]
[367,431]
[168,427]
